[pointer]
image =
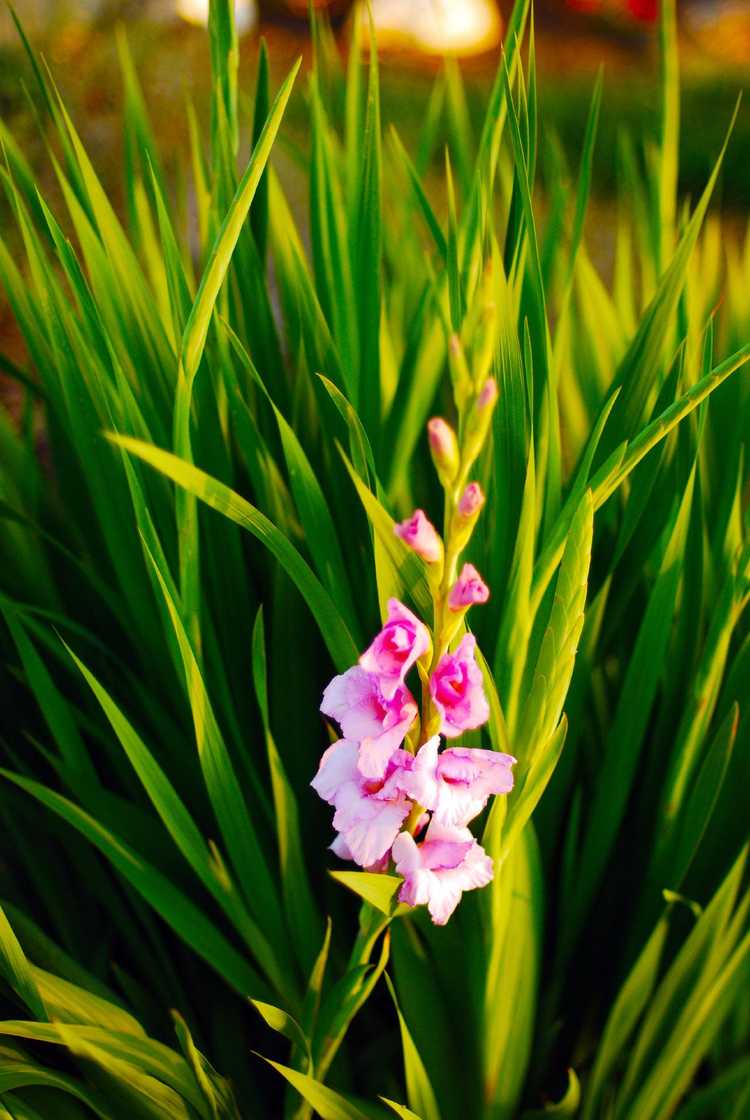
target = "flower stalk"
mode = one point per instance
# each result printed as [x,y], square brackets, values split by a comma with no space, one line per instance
[401,801]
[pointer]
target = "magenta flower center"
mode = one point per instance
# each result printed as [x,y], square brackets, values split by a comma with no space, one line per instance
[450,687]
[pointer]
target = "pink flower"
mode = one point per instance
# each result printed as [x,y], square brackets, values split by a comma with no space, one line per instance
[421,536]
[401,642]
[356,701]
[457,690]
[468,589]
[456,784]
[448,862]
[471,501]
[368,816]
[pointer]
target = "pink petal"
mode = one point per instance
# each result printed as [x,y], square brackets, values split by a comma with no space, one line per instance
[468,589]
[444,855]
[340,848]
[437,871]
[443,898]
[405,854]
[401,642]
[353,700]
[420,534]
[457,689]
[337,767]
[376,751]
[370,834]
[418,777]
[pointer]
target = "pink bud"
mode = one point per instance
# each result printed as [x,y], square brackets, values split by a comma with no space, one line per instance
[488,395]
[471,501]
[421,536]
[441,436]
[468,589]
[444,448]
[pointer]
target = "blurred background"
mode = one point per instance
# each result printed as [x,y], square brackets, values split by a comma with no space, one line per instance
[573,39]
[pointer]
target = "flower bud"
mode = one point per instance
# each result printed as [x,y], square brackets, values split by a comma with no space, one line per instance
[468,590]
[444,449]
[465,518]
[470,502]
[488,395]
[478,423]
[421,536]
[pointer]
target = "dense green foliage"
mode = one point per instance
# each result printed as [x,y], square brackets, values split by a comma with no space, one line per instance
[224,409]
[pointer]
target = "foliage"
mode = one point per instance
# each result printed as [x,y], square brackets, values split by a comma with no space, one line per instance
[224,411]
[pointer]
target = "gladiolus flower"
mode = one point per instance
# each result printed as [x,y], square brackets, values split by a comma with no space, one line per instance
[398,646]
[457,690]
[468,589]
[436,872]
[355,700]
[421,536]
[368,816]
[456,784]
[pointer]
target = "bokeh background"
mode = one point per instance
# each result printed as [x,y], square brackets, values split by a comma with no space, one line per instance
[574,38]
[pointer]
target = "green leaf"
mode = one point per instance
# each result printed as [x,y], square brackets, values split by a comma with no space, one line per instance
[624,1015]
[379,890]
[317,522]
[567,1105]
[699,804]
[409,569]
[177,819]
[188,921]
[367,252]
[16,970]
[629,724]
[302,914]
[419,1091]
[639,367]
[149,1057]
[328,1104]
[196,328]
[401,1110]
[21,1074]
[282,1022]
[220,497]
[230,809]
[512,910]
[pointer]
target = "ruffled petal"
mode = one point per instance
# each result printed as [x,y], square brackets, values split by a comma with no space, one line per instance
[401,642]
[376,752]
[337,767]
[371,834]
[418,777]
[443,898]
[340,848]
[466,778]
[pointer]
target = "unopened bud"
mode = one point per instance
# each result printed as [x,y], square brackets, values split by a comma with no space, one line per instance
[444,448]
[470,502]
[421,536]
[488,395]
[478,423]
[465,518]
[468,590]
